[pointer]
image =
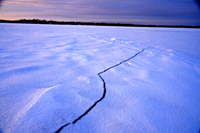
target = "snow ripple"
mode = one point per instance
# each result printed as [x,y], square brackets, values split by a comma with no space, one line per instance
[23,111]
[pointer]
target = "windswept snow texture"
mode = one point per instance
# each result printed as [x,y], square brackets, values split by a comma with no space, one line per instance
[48,78]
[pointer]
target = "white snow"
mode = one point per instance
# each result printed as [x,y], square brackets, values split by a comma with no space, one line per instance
[48,77]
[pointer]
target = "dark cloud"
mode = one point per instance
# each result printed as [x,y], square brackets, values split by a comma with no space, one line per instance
[1,2]
[198,3]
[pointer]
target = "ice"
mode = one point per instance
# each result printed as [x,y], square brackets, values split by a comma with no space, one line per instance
[48,77]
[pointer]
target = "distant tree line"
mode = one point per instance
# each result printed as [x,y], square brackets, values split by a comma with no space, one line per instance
[37,21]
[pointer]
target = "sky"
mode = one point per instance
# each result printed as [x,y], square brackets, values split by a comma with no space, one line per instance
[159,12]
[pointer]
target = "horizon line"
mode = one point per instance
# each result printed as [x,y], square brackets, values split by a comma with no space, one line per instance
[55,22]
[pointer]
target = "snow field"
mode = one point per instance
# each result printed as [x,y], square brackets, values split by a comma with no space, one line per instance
[48,77]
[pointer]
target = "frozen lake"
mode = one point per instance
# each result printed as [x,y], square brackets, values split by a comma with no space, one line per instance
[49,77]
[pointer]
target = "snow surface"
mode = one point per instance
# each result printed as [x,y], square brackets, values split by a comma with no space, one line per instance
[48,77]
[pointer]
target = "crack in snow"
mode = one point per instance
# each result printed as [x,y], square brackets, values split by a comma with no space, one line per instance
[104,93]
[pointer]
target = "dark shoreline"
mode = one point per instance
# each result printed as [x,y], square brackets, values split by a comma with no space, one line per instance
[37,21]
